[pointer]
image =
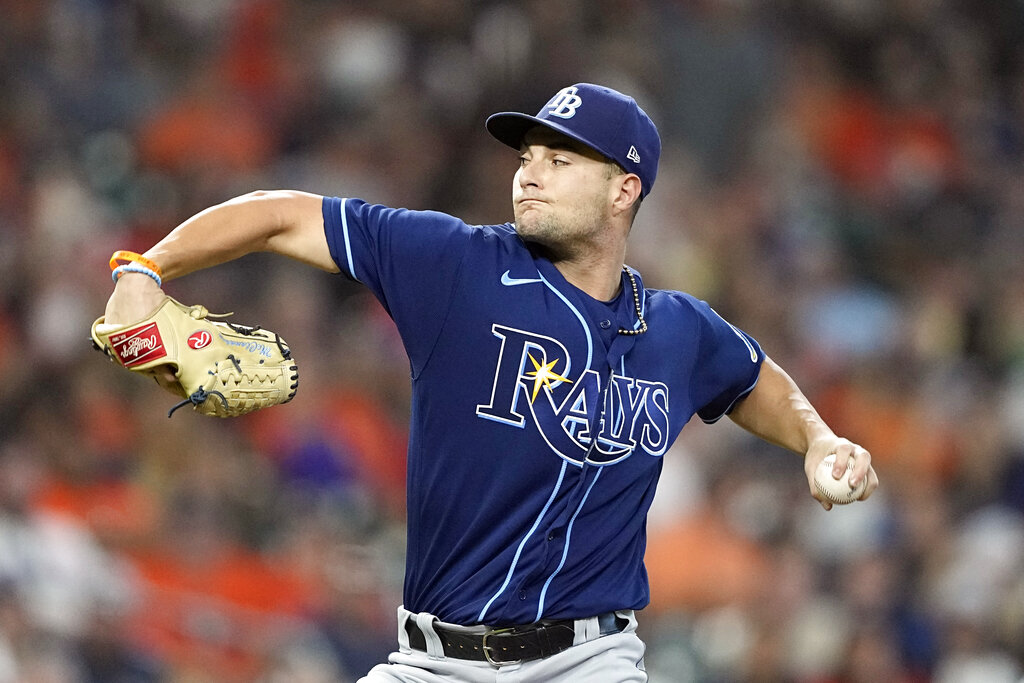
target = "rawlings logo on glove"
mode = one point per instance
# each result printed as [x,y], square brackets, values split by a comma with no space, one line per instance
[138,345]
[224,369]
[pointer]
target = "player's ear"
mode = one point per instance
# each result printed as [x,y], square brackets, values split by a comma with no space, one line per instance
[626,191]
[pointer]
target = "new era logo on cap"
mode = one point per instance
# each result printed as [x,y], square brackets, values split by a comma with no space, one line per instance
[599,117]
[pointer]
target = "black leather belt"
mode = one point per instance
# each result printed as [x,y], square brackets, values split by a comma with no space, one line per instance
[511,645]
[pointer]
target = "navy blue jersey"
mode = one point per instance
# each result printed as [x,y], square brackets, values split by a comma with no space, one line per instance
[537,430]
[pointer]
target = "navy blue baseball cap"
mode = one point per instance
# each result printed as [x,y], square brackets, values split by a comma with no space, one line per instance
[599,117]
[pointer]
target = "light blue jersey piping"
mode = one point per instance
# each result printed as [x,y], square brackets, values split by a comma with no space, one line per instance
[519,550]
[348,242]
[565,550]
[561,473]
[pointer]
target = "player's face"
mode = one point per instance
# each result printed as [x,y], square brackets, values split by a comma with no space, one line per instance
[561,194]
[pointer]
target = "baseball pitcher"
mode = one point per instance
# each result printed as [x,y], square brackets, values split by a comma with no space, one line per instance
[548,384]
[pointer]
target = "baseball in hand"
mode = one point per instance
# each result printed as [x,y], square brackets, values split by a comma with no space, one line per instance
[837,491]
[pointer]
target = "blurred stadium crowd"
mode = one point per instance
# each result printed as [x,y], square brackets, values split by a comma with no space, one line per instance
[842,179]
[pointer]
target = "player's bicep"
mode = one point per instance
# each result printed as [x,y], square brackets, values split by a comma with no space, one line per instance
[759,410]
[300,228]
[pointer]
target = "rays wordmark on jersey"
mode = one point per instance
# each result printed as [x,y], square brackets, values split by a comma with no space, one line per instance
[534,383]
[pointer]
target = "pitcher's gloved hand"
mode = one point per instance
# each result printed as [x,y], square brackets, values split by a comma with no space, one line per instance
[223,369]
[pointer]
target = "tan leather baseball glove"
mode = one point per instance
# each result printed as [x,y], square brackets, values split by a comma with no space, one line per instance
[224,369]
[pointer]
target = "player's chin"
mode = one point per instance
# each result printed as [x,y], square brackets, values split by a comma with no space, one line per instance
[523,217]
[535,238]
[525,228]
[531,225]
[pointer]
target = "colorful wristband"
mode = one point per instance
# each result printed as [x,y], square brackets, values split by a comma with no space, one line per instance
[135,268]
[131,256]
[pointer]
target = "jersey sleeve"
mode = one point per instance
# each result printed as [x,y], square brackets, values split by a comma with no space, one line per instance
[409,260]
[728,365]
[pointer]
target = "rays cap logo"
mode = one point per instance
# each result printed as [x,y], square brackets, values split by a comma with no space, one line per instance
[599,117]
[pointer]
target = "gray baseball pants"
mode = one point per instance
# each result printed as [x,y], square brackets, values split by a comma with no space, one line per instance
[594,658]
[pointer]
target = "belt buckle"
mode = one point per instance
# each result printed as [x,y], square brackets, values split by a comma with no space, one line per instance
[487,648]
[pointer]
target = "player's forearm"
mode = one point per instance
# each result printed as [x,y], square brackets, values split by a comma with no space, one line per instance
[778,412]
[288,223]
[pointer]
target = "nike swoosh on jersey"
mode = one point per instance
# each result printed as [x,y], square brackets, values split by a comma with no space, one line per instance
[512,281]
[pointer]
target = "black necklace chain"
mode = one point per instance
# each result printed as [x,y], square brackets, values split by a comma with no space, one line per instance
[636,305]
